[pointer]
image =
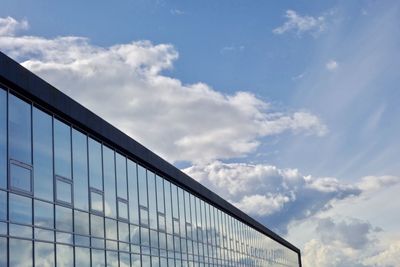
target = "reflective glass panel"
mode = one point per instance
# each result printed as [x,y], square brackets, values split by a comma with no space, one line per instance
[3,205]
[142,186]
[64,190]
[81,222]
[135,234]
[20,230]
[63,219]
[20,253]
[82,257]
[62,149]
[97,226]
[65,256]
[123,232]
[160,194]
[112,258]
[42,154]
[44,254]
[95,168]
[133,193]
[121,176]
[110,205]
[80,170]
[3,138]
[122,210]
[43,214]
[124,260]
[20,209]
[96,201]
[21,178]
[19,126]
[151,185]
[111,229]
[98,258]
[3,252]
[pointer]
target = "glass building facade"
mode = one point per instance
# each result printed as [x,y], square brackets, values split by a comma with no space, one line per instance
[68,198]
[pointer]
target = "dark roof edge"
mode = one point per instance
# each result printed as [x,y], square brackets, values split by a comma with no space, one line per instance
[14,75]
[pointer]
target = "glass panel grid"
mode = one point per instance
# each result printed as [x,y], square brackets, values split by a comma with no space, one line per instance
[155,221]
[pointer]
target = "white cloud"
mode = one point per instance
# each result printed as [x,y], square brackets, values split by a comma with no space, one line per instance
[350,242]
[301,24]
[263,205]
[281,196]
[373,183]
[390,257]
[277,196]
[331,65]
[9,26]
[177,12]
[125,85]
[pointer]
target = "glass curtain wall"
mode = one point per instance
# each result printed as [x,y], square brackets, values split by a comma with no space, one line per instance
[67,199]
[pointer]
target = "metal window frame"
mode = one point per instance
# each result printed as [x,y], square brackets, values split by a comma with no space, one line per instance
[124,201]
[26,167]
[58,178]
[91,209]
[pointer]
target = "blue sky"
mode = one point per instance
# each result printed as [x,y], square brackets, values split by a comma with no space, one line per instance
[295,102]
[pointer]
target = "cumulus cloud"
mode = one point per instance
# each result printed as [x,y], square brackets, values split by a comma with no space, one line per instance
[277,196]
[125,85]
[9,26]
[331,65]
[373,183]
[301,24]
[353,233]
[280,196]
[349,242]
[389,257]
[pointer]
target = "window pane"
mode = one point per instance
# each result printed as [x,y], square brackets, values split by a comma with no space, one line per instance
[20,178]
[20,209]
[43,214]
[97,226]
[19,119]
[122,210]
[44,254]
[142,186]
[81,222]
[65,256]
[96,200]
[111,229]
[133,193]
[122,186]
[110,205]
[63,219]
[151,183]
[112,259]
[80,170]
[64,191]
[42,154]
[123,232]
[160,194]
[168,209]
[20,253]
[3,205]
[3,252]
[98,258]
[62,149]
[95,169]
[82,257]
[3,139]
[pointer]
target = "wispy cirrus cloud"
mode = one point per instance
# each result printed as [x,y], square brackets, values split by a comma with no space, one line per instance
[301,24]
